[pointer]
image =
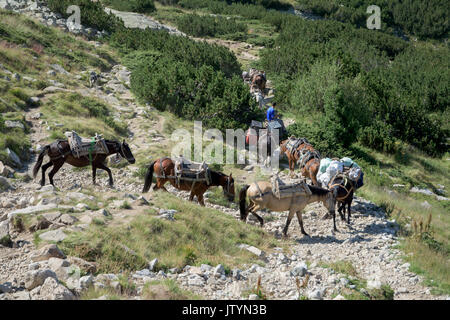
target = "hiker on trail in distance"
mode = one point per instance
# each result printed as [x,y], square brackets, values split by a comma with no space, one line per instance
[271,112]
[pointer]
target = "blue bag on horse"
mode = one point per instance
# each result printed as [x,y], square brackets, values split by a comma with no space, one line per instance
[360,181]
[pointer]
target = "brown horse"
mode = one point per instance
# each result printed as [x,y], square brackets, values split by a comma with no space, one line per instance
[259,81]
[306,156]
[59,153]
[164,169]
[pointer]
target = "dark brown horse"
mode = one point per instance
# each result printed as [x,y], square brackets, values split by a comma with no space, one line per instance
[164,169]
[59,153]
[259,82]
[344,189]
[308,157]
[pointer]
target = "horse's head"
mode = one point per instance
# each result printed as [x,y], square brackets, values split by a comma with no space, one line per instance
[228,187]
[330,201]
[125,152]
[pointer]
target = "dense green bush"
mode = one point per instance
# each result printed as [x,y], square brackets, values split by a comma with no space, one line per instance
[200,26]
[178,48]
[140,6]
[92,13]
[425,19]
[192,93]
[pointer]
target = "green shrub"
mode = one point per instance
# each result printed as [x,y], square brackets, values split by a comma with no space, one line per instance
[181,49]
[201,26]
[92,13]
[193,93]
[140,6]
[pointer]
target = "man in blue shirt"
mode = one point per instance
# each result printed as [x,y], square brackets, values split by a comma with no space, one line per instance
[271,112]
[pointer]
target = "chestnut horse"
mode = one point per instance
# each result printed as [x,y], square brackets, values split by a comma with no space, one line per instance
[164,169]
[59,153]
[258,81]
[309,157]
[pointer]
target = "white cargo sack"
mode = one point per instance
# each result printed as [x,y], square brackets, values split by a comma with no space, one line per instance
[324,164]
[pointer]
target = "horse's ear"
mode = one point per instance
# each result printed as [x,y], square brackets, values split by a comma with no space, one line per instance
[123,142]
[231,175]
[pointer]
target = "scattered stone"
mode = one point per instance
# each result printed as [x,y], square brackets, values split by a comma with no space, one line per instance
[37,277]
[152,264]
[4,184]
[14,124]
[47,252]
[53,290]
[315,294]
[89,267]
[54,235]
[253,297]
[299,270]
[68,219]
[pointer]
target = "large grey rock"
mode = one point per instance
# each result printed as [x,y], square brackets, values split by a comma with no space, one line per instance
[47,252]
[37,277]
[14,158]
[68,219]
[253,250]
[4,230]
[89,267]
[51,216]
[219,270]
[53,235]
[316,294]
[53,290]
[299,270]
[14,124]
[4,184]
[33,209]
[5,171]
[423,191]
[86,281]
[59,69]
[152,264]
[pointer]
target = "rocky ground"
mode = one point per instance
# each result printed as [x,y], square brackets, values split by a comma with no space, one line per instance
[28,272]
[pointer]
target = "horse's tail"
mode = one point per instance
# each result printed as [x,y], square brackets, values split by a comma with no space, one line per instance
[242,196]
[148,178]
[38,164]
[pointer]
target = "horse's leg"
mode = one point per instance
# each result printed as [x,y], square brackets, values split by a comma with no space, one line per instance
[56,167]
[260,219]
[160,184]
[44,168]
[288,222]
[349,205]
[341,207]
[313,178]
[94,173]
[200,199]
[249,208]
[334,221]
[102,166]
[300,221]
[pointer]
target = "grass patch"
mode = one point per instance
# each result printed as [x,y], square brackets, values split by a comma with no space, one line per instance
[167,290]
[198,234]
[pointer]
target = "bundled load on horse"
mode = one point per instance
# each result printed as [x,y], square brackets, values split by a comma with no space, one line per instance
[192,171]
[329,169]
[283,190]
[81,146]
[277,125]
[300,151]
[251,136]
